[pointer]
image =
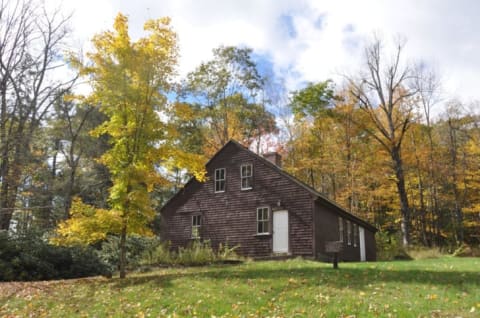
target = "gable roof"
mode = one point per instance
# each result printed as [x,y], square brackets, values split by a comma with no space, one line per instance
[318,196]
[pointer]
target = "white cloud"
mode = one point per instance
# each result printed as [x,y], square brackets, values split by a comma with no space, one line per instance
[329,33]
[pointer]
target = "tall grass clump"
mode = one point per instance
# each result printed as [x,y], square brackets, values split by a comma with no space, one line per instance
[420,252]
[196,253]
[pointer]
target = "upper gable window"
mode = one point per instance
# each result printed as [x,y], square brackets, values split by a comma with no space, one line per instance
[220,177]
[246,176]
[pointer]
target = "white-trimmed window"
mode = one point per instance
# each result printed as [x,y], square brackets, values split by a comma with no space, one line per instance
[263,220]
[246,176]
[355,235]
[196,225]
[340,229]
[220,177]
[349,233]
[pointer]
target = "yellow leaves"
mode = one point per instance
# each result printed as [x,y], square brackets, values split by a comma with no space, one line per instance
[292,281]
[128,80]
[86,225]
[184,111]
[121,23]
[174,157]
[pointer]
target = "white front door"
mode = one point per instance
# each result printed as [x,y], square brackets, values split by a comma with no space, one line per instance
[280,231]
[363,255]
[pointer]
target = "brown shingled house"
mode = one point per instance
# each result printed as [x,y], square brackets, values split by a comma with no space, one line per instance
[250,201]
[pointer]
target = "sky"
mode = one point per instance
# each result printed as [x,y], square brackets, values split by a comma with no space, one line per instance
[306,40]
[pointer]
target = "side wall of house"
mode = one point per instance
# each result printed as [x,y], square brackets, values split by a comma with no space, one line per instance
[327,229]
[231,217]
[370,245]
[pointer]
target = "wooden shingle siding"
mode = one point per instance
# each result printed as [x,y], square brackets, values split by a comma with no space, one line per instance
[370,246]
[328,230]
[230,217]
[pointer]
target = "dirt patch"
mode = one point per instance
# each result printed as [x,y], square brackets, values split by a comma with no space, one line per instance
[28,290]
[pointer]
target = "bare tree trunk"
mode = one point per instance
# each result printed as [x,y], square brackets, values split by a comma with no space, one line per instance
[386,96]
[312,179]
[458,214]
[5,215]
[433,189]
[404,207]
[69,193]
[421,190]
[48,214]
[429,88]
[30,39]
[123,251]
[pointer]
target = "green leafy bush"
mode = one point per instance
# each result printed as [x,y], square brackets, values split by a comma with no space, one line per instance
[160,255]
[389,247]
[136,247]
[29,258]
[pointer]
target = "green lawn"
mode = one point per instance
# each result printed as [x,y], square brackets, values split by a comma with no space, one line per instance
[444,287]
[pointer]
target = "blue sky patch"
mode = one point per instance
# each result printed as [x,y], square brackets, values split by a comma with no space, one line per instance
[274,86]
[320,22]
[349,28]
[287,26]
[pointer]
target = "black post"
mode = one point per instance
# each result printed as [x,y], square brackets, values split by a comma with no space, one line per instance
[335,260]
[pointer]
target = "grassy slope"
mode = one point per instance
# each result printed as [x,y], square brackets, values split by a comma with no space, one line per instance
[294,288]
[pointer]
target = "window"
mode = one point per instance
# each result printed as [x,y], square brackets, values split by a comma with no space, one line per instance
[220,180]
[355,235]
[246,175]
[349,233]
[340,229]
[196,224]
[263,221]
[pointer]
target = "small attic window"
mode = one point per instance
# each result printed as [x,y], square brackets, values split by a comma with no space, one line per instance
[220,177]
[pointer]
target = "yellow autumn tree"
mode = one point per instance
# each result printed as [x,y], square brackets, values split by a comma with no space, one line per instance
[129,81]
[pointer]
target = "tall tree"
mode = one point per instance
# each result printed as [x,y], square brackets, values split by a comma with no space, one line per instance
[30,44]
[69,126]
[429,96]
[457,136]
[130,81]
[310,107]
[229,90]
[384,91]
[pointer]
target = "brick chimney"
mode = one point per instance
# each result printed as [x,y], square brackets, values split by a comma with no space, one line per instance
[274,158]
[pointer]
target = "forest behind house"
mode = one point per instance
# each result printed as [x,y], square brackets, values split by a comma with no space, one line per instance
[387,143]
